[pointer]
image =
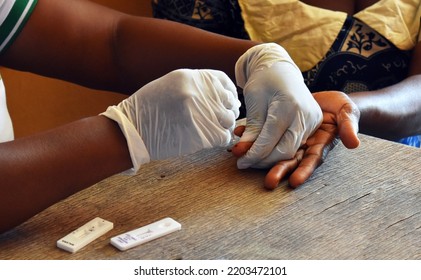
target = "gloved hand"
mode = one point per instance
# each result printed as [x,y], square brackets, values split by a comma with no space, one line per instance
[179,113]
[281,112]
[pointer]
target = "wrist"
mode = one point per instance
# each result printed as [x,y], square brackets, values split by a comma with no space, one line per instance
[138,152]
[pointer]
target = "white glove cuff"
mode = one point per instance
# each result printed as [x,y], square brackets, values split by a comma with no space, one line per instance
[259,57]
[137,149]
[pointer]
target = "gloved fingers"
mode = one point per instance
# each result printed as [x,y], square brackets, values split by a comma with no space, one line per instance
[225,138]
[225,81]
[220,97]
[210,132]
[255,119]
[230,107]
[212,107]
[279,118]
[225,92]
[286,128]
[252,130]
[217,103]
[226,118]
[284,150]
[295,135]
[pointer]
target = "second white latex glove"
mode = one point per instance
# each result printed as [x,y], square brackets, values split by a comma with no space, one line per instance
[180,113]
[281,112]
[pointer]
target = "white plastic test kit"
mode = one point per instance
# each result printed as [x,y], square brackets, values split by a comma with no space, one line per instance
[144,234]
[84,235]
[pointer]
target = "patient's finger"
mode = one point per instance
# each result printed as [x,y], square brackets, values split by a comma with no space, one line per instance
[239,130]
[282,169]
[241,148]
[314,156]
[310,162]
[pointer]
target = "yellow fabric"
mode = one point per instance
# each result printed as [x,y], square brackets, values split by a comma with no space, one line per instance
[402,18]
[308,32]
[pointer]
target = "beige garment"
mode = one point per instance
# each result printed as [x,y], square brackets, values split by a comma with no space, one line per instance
[402,18]
[308,32]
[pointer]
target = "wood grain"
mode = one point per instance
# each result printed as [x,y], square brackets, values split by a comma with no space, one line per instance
[360,204]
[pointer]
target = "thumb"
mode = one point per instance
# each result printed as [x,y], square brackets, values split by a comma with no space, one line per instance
[348,126]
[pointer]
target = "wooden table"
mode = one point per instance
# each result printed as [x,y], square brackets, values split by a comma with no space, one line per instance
[360,204]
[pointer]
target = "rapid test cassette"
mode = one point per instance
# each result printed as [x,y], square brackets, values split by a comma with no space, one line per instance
[144,234]
[84,235]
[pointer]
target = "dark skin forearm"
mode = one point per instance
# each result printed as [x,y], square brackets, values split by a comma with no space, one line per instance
[393,112]
[94,46]
[58,164]
[173,46]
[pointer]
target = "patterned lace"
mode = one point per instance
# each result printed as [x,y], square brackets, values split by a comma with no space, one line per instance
[219,16]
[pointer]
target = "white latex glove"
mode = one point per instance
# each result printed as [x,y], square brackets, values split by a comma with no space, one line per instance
[281,112]
[181,113]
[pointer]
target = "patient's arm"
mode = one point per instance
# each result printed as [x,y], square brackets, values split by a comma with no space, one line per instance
[393,112]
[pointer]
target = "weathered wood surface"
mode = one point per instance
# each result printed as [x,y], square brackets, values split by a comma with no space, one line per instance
[360,204]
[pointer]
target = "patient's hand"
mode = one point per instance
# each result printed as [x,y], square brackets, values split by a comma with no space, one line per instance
[340,119]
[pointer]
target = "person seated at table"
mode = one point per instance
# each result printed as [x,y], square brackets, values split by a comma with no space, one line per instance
[368,49]
[177,110]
